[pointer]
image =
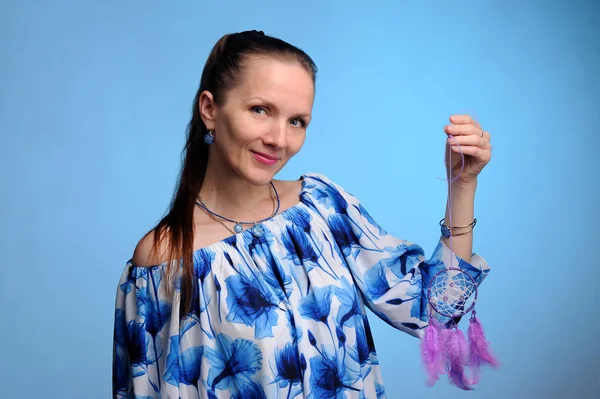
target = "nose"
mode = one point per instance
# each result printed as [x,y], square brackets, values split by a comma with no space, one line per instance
[277,136]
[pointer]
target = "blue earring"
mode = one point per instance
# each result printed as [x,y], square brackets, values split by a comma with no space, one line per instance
[209,138]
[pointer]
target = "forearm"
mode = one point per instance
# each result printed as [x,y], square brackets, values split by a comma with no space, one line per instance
[462,196]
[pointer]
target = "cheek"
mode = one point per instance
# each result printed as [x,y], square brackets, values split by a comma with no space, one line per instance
[230,137]
[241,131]
[295,143]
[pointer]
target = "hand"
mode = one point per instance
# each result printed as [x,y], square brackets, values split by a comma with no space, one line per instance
[475,145]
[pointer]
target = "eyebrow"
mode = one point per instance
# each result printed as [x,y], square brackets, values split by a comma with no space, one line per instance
[270,104]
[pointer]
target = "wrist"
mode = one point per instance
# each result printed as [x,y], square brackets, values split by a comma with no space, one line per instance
[465,184]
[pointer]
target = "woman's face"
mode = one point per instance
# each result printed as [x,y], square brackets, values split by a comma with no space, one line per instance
[263,121]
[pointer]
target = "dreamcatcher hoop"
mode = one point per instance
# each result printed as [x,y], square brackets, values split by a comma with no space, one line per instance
[452,289]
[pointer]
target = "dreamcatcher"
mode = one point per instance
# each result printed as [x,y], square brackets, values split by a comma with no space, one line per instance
[452,293]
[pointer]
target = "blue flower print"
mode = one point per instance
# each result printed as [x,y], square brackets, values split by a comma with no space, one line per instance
[250,390]
[191,361]
[332,374]
[276,277]
[298,247]
[155,313]
[232,363]
[344,236]
[251,302]
[380,230]
[403,258]
[376,282]
[317,304]
[120,373]
[362,352]
[379,392]
[295,332]
[183,367]
[330,197]
[140,353]
[299,217]
[349,305]
[171,375]
[288,370]
[302,250]
[203,263]
[200,300]
[256,246]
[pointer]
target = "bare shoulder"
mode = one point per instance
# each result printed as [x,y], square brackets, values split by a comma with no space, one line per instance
[289,187]
[289,190]
[144,254]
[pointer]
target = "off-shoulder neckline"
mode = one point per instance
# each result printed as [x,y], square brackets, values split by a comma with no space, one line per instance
[221,242]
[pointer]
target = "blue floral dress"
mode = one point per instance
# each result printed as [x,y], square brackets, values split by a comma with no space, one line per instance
[280,315]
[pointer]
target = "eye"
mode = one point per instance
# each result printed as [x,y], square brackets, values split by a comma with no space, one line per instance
[298,122]
[257,110]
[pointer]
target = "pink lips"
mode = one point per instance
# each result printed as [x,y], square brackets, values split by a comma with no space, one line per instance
[265,158]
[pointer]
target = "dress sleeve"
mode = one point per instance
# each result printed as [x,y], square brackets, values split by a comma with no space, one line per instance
[390,272]
[141,362]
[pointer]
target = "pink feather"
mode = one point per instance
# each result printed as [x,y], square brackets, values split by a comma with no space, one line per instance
[431,351]
[456,358]
[479,352]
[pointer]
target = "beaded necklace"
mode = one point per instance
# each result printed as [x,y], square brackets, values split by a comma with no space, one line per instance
[257,228]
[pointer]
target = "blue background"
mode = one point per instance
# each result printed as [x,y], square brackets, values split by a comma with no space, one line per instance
[94,101]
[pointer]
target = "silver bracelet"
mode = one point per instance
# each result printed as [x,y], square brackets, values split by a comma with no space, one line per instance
[447,230]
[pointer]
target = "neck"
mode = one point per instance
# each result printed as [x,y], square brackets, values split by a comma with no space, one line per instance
[228,194]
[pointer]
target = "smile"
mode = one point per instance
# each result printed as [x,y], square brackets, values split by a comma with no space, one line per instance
[265,159]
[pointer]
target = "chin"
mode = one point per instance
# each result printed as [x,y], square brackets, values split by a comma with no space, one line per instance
[258,176]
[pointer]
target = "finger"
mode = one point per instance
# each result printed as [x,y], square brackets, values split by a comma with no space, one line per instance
[470,140]
[461,119]
[479,153]
[486,136]
[462,130]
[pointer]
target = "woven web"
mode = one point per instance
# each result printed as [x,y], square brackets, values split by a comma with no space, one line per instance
[451,293]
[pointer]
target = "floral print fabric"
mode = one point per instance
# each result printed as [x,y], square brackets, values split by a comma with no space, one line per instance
[280,315]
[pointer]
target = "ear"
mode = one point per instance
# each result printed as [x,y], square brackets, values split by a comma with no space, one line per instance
[208,109]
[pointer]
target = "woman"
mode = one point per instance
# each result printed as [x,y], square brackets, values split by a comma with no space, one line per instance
[252,287]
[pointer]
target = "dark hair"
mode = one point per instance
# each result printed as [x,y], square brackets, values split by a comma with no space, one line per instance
[223,70]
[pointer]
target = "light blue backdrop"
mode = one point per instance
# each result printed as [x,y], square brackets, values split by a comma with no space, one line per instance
[95,96]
